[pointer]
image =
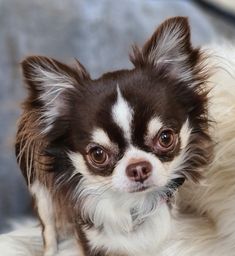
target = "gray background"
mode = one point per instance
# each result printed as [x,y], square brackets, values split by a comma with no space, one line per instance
[98,33]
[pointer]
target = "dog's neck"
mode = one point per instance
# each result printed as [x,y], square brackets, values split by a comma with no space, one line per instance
[121,223]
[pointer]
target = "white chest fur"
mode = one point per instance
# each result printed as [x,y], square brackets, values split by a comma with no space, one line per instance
[120,234]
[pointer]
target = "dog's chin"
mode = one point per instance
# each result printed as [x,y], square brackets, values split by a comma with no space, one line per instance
[139,188]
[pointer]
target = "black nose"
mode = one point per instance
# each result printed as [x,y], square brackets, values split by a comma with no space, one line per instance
[139,171]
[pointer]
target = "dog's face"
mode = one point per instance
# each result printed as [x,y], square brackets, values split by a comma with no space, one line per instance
[129,131]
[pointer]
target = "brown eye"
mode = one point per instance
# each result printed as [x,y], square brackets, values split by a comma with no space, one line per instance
[97,156]
[166,140]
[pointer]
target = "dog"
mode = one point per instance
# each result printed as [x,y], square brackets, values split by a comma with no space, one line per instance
[129,163]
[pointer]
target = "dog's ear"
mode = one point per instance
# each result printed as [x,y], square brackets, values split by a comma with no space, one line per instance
[170,48]
[51,87]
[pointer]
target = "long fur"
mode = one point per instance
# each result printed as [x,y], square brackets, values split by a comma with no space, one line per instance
[203,220]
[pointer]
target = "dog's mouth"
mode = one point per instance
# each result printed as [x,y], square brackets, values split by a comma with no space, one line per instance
[140,188]
[171,186]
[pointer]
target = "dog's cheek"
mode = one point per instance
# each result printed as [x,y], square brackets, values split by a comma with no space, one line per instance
[81,167]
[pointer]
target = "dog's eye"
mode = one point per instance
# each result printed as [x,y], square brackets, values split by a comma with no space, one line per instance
[165,141]
[97,156]
[166,138]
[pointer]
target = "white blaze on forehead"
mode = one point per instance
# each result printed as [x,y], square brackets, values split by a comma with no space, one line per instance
[154,125]
[122,114]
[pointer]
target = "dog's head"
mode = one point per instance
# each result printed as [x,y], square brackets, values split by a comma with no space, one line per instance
[130,131]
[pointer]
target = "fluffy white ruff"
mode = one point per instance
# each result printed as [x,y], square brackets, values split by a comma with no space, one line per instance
[207,224]
[214,233]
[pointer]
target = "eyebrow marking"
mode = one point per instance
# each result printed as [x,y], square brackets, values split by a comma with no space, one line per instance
[122,114]
[100,137]
[154,125]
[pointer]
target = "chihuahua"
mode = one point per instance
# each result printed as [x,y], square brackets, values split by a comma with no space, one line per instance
[104,158]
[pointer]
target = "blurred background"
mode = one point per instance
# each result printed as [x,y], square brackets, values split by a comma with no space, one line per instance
[99,33]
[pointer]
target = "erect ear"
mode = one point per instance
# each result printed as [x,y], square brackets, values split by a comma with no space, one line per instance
[169,47]
[51,85]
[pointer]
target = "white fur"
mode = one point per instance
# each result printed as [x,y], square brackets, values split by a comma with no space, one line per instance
[99,136]
[27,241]
[185,132]
[81,167]
[141,240]
[24,240]
[79,163]
[215,199]
[153,127]
[178,163]
[53,83]
[46,213]
[122,114]
[170,48]
[121,215]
